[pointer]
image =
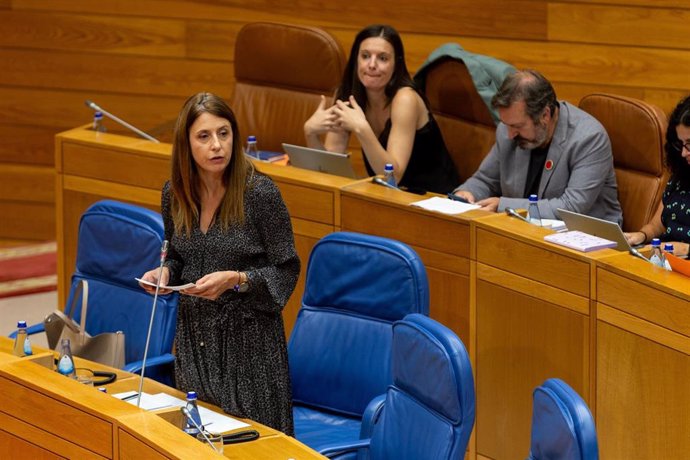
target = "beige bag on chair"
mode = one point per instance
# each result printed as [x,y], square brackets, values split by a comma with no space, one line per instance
[106,348]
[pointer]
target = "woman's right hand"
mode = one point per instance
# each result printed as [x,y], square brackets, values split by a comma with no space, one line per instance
[322,121]
[635,238]
[152,277]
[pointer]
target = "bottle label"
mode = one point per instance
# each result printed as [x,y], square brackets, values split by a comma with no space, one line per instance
[65,365]
[27,346]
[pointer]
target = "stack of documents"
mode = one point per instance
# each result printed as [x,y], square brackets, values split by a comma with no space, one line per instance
[579,240]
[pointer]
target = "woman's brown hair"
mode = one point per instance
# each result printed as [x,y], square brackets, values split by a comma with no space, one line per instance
[185,181]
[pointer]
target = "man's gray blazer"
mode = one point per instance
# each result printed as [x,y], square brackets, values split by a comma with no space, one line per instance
[578,173]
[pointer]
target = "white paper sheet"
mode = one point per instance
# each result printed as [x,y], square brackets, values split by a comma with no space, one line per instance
[172,288]
[445,205]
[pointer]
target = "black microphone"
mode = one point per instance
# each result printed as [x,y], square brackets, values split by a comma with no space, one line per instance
[96,107]
[186,413]
[164,253]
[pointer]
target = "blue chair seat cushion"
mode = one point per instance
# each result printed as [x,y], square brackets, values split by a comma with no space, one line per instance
[318,429]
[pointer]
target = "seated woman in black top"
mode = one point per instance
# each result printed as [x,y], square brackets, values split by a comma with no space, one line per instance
[671,222]
[377,101]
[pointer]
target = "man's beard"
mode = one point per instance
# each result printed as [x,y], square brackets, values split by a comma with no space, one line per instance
[539,139]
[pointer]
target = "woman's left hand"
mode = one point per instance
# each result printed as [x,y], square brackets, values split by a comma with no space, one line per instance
[214,284]
[350,116]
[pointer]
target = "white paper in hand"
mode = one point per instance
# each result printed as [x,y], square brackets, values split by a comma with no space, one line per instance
[172,288]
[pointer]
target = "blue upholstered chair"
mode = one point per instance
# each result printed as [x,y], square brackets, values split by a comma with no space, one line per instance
[562,426]
[357,286]
[117,242]
[429,408]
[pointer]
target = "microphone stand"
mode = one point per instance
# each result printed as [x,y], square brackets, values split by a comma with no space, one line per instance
[94,106]
[164,252]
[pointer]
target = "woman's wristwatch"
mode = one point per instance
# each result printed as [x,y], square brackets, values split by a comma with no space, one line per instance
[242,283]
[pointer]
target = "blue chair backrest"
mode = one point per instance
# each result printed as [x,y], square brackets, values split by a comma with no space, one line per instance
[118,242]
[430,407]
[356,286]
[562,425]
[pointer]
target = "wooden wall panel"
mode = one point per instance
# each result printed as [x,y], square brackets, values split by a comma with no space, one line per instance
[644,3]
[65,109]
[27,144]
[94,72]
[100,34]
[618,25]
[505,18]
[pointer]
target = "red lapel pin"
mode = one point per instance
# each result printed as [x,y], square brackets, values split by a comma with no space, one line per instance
[548,165]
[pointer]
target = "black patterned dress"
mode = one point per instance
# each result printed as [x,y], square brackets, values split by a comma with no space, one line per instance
[675,214]
[232,351]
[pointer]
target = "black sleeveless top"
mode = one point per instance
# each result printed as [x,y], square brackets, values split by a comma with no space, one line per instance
[430,166]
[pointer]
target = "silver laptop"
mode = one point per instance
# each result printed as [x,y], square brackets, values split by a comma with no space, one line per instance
[320,160]
[598,227]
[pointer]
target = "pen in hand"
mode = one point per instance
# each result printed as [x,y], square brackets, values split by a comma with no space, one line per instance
[455,197]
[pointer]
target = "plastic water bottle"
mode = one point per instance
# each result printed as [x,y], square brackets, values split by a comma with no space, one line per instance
[668,249]
[251,149]
[98,125]
[388,175]
[533,212]
[66,361]
[22,345]
[193,410]
[657,257]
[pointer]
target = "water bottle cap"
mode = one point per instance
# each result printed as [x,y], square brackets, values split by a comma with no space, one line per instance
[21,323]
[251,139]
[668,247]
[98,115]
[388,167]
[656,242]
[65,342]
[191,395]
[533,198]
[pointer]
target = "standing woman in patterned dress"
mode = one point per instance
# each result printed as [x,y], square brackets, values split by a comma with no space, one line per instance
[230,235]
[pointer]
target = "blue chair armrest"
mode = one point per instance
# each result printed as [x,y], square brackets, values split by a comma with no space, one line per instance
[335,450]
[371,416]
[151,362]
[31,330]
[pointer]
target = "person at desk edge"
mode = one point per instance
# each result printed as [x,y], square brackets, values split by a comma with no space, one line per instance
[548,148]
[378,102]
[671,222]
[230,234]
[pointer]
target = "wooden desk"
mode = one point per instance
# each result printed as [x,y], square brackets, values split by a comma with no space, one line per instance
[534,319]
[45,415]
[643,360]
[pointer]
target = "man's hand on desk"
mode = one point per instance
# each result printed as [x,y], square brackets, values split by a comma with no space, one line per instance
[465,195]
[489,204]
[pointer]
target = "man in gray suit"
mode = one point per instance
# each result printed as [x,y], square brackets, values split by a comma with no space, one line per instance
[548,148]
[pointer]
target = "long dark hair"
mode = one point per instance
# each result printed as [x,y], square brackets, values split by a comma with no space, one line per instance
[680,170]
[351,85]
[185,181]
